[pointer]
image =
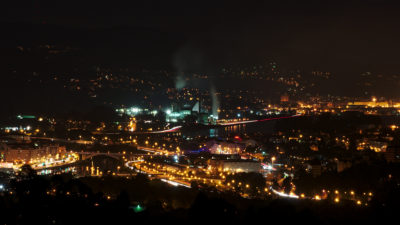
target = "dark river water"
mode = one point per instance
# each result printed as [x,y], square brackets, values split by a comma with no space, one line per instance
[266,127]
[97,165]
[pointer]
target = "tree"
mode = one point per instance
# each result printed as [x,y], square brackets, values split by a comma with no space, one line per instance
[286,184]
[249,183]
[27,172]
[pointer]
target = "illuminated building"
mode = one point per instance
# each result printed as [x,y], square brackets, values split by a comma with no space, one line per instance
[129,111]
[370,104]
[179,112]
[224,147]
[316,167]
[23,153]
[285,98]
[237,165]
[132,124]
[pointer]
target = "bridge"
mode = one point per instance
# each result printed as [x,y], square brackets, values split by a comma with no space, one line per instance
[87,155]
[116,155]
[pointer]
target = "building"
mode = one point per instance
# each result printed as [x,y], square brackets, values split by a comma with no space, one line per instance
[371,104]
[27,152]
[315,167]
[235,165]
[225,147]
[285,98]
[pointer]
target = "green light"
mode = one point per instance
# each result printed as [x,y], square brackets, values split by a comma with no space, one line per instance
[25,117]
[138,208]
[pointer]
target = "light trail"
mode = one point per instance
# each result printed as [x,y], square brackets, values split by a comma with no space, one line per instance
[268,167]
[146,149]
[127,164]
[278,118]
[154,150]
[174,183]
[238,122]
[174,129]
[284,194]
[254,121]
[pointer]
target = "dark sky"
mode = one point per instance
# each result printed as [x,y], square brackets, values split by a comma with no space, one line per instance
[339,36]
[344,37]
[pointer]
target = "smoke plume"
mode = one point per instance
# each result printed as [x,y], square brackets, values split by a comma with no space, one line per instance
[214,101]
[187,59]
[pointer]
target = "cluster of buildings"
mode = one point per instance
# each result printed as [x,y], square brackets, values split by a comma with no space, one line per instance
[234,165]
[226,156]
[17,150]
[192,112]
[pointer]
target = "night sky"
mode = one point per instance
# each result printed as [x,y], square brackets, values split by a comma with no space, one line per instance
[327,35]
[345,38]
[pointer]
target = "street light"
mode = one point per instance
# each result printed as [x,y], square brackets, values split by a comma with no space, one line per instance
[272,160]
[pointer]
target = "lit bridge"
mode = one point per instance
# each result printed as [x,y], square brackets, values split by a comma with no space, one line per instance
[116,155]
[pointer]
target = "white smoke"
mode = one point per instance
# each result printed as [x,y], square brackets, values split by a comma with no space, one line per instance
[180,81]
[214,101]
[186,60]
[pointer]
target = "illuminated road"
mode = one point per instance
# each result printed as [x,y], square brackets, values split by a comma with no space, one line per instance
[177,175]
[184,176]
[177,128]
[155,150]
[254,121]
[155,174]
[55,163]
[174,129]
[282,194]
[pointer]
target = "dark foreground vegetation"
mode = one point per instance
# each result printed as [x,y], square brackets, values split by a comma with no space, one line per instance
[62,199]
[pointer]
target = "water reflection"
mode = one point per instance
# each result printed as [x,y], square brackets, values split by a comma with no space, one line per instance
[95,166]
[226,131]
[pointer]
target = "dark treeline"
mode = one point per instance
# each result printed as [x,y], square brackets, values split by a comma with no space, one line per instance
[346,122]
[63,199]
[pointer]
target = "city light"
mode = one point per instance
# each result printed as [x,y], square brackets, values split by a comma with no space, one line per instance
[273,112]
